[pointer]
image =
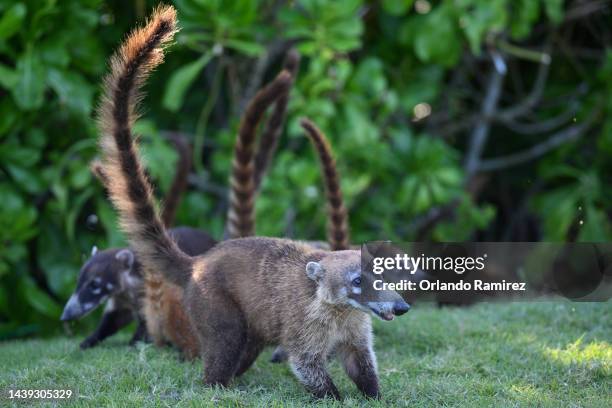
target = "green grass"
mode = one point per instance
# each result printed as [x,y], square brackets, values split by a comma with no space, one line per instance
[547,354]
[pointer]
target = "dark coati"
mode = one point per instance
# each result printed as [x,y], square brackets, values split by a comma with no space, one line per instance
[114,276]
[244,293]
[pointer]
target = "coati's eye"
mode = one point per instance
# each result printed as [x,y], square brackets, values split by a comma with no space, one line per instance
[356,282]
[94,286]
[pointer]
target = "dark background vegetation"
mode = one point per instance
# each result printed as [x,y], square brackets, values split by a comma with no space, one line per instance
[451,120]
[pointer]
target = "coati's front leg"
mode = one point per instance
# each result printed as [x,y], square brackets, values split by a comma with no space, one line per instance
[310,370]
[359,363]
[112,321]
[141,332]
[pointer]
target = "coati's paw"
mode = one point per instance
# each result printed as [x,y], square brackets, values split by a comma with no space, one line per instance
[88,343]
[279,356]
[135,340]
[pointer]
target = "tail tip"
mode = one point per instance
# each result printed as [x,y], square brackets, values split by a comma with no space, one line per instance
[165,14]
[292,60]
[307,124]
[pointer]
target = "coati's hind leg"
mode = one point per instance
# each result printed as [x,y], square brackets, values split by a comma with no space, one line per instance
[251,351]
[222,331]
[310,371]
[359,363]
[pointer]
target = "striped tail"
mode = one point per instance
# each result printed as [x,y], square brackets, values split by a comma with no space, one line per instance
[337,232]
[179,183]
[128,186]
[268,141]
[240,220]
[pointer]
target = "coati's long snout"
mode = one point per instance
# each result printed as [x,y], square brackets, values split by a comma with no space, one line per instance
[384,304]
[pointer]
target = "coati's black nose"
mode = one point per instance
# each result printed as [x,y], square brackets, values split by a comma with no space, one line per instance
[399,308]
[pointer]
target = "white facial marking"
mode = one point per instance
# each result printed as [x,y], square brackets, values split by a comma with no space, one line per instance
[109,286]
[88,306]
[96,291]
[110,305]
[97,279]
[356,290]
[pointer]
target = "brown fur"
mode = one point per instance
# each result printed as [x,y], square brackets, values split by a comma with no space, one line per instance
[268,141]
[163,306]
[242,187]
[337,233]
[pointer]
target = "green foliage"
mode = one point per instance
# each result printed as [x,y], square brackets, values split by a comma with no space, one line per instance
[366,68]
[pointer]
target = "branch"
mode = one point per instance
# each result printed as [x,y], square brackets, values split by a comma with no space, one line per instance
[480,134]
[544,126]
[208,187]
[532,99]
[566,135]
[584,9]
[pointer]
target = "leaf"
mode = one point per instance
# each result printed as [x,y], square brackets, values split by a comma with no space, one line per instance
[438,39]
[396,7]
[12,20]
[30,87]
[252,49]
[596,226]
[481,18]
[72,89]
[8,77]
[8,115]
[525,15]
[39,300]
[181,80]
[554,10]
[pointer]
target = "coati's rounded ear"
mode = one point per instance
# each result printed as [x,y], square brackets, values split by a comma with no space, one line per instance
[94,250]
[126,256]
[314,271]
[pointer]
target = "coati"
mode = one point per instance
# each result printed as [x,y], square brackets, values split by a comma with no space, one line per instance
[244,293]
[114,276]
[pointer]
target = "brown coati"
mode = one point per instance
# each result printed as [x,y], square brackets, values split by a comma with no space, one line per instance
[244,293]
[114,276]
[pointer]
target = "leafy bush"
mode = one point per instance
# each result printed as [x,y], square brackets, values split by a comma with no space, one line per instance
[385,80]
